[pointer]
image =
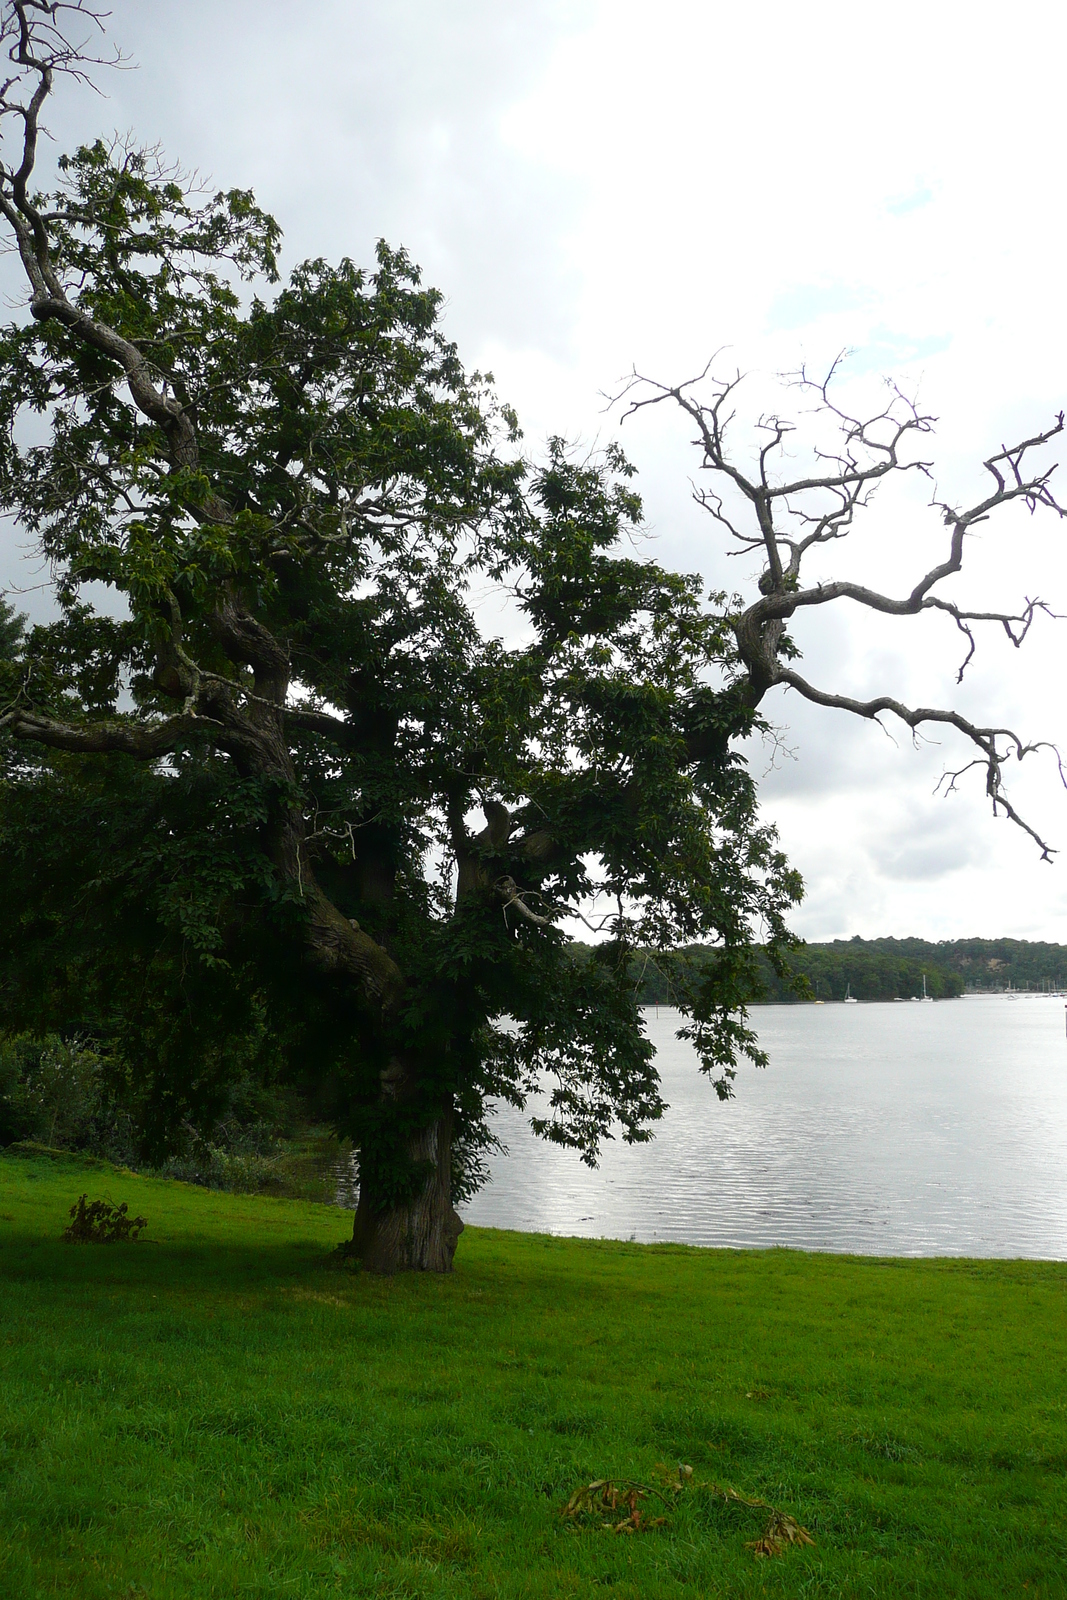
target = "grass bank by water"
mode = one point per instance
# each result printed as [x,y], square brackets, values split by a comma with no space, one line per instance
[215,1410]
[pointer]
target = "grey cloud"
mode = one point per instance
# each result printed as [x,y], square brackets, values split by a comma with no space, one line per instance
[815,751]
[829,911]
[360,121]
[923,846]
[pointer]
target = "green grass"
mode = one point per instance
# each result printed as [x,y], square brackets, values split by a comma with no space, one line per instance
[217,1411]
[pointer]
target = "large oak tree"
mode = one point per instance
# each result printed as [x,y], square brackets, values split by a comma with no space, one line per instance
[284,802]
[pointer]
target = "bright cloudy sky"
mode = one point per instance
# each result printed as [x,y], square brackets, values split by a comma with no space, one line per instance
[596,186]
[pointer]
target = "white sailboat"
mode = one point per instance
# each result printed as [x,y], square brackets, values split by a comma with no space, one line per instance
[927,997]
[850,998]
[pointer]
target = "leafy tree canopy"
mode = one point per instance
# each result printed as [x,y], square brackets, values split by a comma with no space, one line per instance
[286,803]
[377,709]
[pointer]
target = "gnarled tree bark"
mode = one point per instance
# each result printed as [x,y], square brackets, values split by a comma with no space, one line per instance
[419,1234]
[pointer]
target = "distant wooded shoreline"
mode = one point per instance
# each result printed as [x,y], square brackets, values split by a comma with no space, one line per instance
[884,969]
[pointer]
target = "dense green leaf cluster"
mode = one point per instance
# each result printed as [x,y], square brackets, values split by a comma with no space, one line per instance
[57,1092]
[857,967]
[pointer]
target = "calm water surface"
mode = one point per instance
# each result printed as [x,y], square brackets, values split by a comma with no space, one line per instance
[893,1129]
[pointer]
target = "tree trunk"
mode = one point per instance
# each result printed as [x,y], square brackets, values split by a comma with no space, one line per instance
[420,1236]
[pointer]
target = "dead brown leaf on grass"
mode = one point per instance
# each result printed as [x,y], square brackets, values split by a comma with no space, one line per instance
[620,1505]
[781,1530]
[603,1500]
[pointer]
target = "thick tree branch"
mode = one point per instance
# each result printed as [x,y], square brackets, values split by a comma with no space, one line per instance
[509,891]
[984,738]
[144,741]
[790,517]
[248,643]
[540,848]
[471,850]
[341,733]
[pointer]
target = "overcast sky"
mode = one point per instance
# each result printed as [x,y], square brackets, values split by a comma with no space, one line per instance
[596,186]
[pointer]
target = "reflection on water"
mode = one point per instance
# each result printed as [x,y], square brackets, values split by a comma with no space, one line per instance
[890,1129]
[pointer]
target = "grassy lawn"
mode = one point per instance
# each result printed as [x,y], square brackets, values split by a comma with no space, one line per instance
[215,1410]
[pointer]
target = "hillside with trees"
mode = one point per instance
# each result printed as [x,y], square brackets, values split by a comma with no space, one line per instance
[879,969]
[987,964]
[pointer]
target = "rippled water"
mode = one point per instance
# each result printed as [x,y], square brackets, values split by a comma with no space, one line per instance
[892,1129]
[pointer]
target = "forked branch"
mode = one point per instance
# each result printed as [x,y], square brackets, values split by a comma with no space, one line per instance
[786,517]
[985,738]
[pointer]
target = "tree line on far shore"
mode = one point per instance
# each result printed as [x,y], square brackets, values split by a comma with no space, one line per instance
[880,969]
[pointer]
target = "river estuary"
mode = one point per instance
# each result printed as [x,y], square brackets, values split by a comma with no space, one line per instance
[888,1129]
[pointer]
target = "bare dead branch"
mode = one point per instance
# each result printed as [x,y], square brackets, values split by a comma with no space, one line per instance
[790,518]
[985,738]
[40,48]
[508,890]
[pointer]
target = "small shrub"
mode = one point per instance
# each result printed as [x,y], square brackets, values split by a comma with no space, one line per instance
[100,1222]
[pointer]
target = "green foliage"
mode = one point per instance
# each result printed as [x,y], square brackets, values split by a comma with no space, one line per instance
[281,1426]
[873,969]
[325,562]
[57,1092]
[257,1158]
[64,1096]
[102,1222]
[987,963]
[19,1116]
[121,874]
[12,629]
[867,969]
